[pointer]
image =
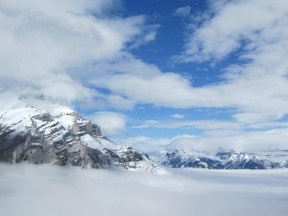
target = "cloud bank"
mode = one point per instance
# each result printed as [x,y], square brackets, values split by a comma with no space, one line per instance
[49,190]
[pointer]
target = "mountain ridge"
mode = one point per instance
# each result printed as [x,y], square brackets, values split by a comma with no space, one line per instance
[221,160]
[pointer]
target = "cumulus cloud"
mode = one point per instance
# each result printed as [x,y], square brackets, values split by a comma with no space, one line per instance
[111,123]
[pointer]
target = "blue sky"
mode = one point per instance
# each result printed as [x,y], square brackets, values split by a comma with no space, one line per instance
[195,74]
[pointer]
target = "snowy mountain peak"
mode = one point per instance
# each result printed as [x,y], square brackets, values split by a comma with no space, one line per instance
[59,135]
[181,158]
[222,160]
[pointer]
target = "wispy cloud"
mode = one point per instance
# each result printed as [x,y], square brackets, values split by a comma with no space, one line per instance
[177,116]
[211,124]
[201,124]
[182,11]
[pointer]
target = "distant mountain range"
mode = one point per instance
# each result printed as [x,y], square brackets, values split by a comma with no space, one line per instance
[221,160]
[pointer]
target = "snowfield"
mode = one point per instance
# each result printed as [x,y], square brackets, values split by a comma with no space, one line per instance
[51,190]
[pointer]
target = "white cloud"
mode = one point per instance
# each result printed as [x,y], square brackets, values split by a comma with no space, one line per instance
[270,140]
[146,144]
[163,89]
[150,34]
[243,135]
[247,91]
[258,88]
[200,124]
[177,116]
[41,41]
[118,102]
[49,190]
[111,123]
[182,11]
[223,33]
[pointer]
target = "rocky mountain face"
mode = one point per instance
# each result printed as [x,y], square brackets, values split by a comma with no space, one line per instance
[222,160]
[60,136]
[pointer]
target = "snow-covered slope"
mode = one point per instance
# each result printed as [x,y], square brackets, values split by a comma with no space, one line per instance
[241,160]
[181,158]
[222,160]
[60,136]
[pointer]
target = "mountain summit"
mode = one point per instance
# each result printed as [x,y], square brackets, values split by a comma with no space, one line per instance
[59,135]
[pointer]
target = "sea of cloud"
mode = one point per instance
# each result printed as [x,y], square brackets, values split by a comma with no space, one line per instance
[49,190]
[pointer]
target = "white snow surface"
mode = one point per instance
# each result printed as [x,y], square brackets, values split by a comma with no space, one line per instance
[98,142]
[50,190]
[238,157]
[18,114]
[13,110]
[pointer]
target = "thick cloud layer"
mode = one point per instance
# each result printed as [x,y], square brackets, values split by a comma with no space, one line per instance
[46,190]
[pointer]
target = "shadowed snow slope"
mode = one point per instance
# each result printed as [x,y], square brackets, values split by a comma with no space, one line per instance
[47,190]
